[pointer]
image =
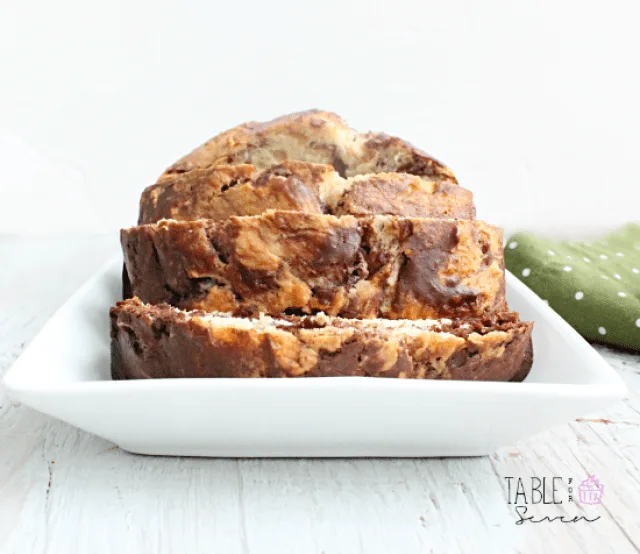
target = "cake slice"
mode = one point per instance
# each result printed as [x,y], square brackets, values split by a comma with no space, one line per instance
[292,262]
[164,342]
[226,190]
[312,136]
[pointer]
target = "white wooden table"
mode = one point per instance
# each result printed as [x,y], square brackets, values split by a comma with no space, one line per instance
[64,491]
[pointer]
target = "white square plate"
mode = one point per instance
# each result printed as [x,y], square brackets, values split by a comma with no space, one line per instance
[65,373]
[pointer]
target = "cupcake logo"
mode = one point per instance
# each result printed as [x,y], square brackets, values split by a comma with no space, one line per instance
[590,491]
[533,499]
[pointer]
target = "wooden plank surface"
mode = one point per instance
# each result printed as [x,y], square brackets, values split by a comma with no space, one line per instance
[64,491]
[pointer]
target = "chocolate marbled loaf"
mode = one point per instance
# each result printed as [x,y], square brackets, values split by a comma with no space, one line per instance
[292,262]
[226,190]
[312,136]
[164,342]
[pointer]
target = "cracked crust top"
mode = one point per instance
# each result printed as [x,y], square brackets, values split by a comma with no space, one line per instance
[312,136]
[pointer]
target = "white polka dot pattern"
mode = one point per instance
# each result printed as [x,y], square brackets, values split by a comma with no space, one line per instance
[602,311]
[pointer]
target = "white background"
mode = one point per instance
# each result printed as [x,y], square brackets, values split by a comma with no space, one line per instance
[534,104]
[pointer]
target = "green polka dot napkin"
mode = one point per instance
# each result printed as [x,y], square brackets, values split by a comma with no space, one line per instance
[593,285]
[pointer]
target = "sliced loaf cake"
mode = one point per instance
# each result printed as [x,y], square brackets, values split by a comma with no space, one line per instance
[164,342]
[226,190]
[300,247]
[292,262]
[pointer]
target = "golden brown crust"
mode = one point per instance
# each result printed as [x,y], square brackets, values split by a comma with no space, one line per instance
[227,190]
[311,136]
[162,342]
[381,266]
